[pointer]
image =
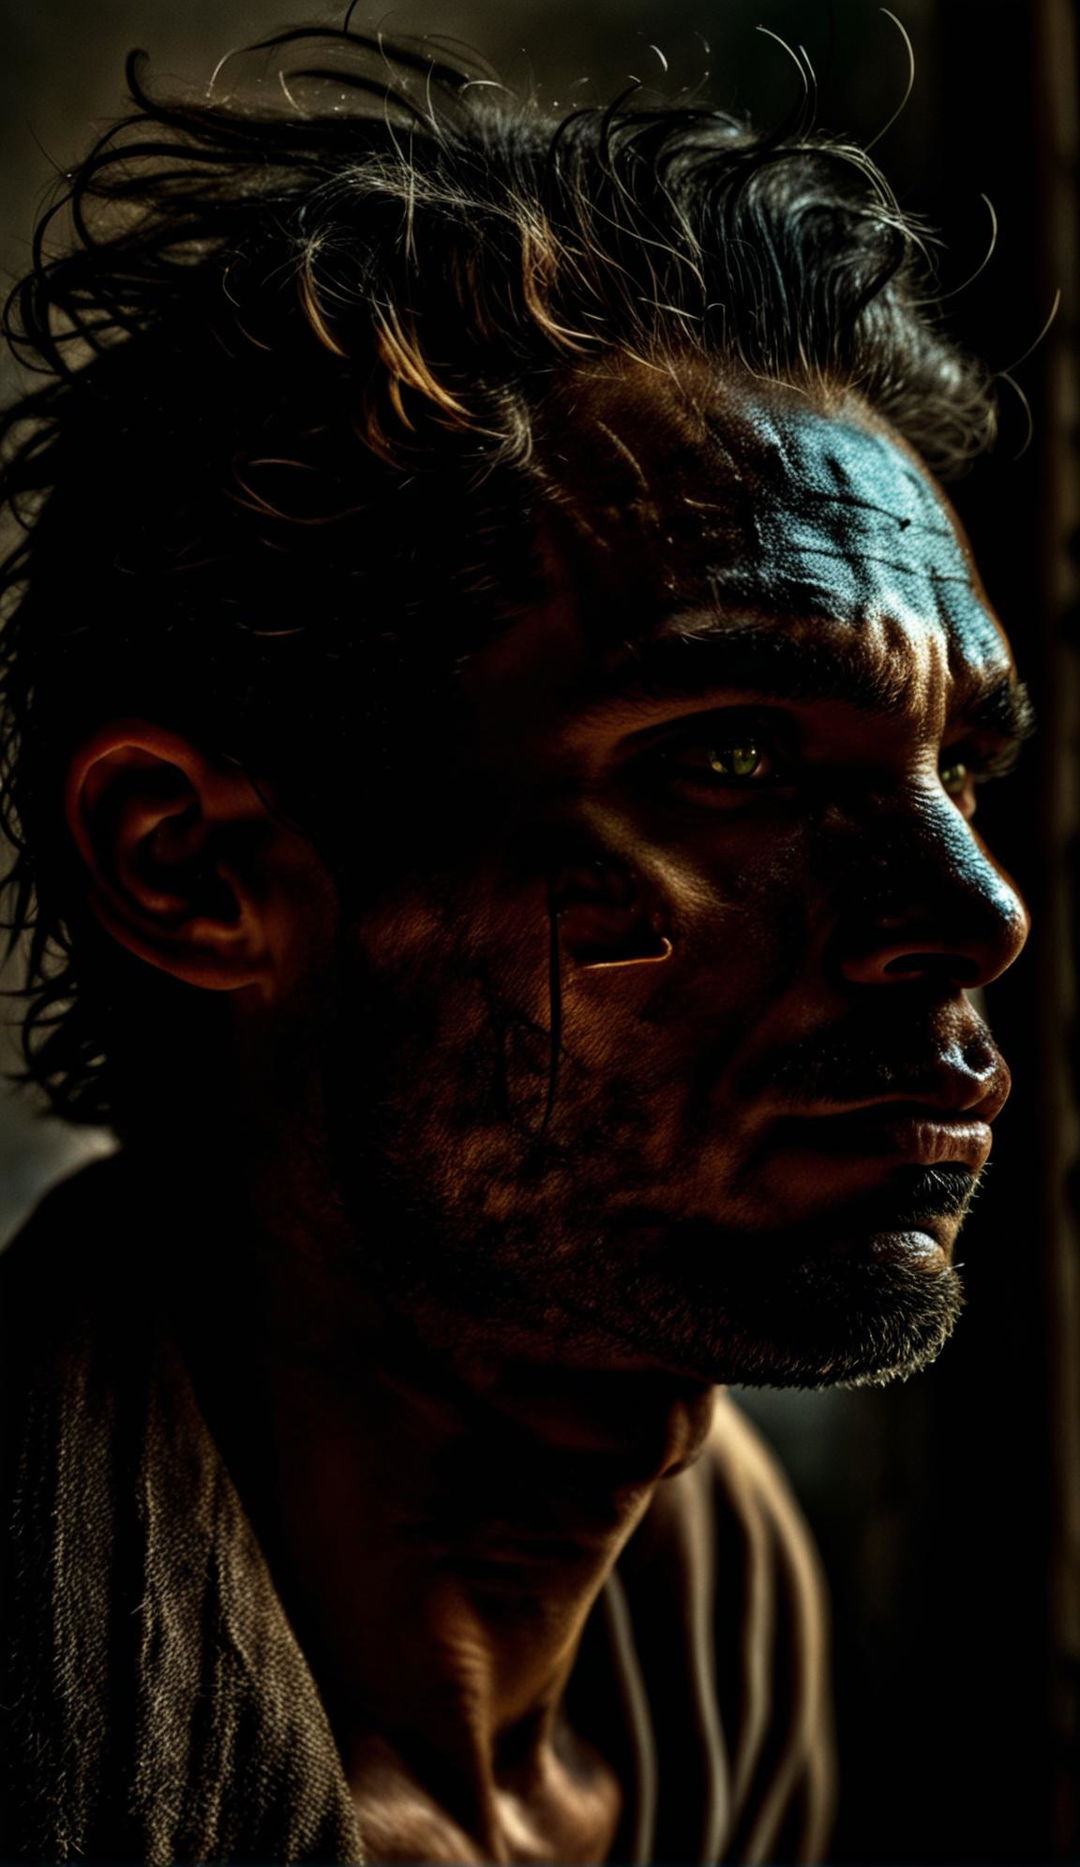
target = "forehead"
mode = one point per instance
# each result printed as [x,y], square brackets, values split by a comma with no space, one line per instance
[672,496]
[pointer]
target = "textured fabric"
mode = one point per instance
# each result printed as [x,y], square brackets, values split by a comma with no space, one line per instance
[158,1706]
[727,1608]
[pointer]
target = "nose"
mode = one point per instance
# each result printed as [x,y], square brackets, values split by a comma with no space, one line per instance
[930,904]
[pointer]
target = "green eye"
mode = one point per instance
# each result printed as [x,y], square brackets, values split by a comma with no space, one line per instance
[739,761]
[954,777]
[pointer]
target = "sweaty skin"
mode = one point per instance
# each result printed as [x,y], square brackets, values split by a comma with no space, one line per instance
[828,913]
[483,1306]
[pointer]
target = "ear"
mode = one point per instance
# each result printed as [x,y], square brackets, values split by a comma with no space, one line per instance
[189,866]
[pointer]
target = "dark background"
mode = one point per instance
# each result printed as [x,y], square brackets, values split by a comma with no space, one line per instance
[948,1509]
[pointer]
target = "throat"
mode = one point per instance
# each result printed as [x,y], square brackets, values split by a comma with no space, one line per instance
[449,1699]
[445,1548]
[439,1526]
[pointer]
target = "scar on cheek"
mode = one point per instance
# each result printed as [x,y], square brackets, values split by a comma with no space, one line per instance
[664,951]
[601,917]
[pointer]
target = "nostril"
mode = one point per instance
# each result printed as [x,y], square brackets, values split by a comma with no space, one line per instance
[956,926]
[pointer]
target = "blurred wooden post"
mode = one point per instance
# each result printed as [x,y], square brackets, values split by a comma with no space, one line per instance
[1056,127]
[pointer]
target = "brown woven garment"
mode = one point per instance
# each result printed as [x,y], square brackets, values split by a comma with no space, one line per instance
[157,1704]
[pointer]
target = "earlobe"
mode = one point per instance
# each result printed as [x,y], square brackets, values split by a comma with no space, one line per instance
[172,842]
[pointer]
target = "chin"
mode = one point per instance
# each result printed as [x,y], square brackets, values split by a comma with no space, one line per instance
[864,1297]
[856,1319]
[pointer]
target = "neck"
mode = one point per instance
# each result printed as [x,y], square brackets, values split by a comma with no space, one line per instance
[439,1512]
[448,1530]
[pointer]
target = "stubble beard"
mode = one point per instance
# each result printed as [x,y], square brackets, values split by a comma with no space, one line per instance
[469,1221]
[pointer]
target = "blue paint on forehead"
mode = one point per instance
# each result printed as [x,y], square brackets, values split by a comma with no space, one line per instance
[835,520]
[736,503]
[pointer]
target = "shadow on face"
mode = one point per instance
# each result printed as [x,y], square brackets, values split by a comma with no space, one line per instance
[680,1062]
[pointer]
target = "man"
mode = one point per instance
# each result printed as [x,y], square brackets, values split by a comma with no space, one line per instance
[496,700]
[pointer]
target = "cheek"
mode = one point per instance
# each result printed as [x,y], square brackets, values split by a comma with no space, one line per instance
[743,926]
[457,1019]
[756,927]
[653,1053]
[451,1002]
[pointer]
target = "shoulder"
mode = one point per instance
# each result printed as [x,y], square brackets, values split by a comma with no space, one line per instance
[70,1242]
[69,1225]
[62,1277]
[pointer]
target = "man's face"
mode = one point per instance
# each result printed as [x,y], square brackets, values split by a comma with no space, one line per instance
[747,723]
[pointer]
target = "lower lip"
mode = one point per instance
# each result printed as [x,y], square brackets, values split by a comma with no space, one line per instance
[877,1134]
[912,1245]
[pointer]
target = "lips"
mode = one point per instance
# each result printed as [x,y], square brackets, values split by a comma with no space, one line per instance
[931,1115]
[845,1116]
[904,1131]
[962,1076]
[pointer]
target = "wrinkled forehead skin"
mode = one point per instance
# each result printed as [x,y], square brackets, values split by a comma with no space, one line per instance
[672,492]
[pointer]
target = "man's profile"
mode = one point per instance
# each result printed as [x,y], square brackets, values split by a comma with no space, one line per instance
[495,699]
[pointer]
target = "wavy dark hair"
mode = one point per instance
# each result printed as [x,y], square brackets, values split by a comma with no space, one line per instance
[288,344]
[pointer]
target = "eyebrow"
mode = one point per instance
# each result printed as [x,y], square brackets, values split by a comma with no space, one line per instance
[687,663]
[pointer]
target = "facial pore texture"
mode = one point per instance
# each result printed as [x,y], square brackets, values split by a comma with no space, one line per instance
[672,1205]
